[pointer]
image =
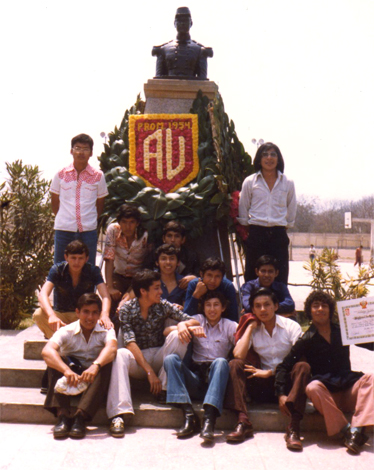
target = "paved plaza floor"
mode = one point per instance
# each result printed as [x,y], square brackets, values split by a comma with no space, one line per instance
[30,447]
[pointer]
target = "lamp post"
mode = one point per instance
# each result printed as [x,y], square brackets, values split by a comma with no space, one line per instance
[104,136]
[257,142]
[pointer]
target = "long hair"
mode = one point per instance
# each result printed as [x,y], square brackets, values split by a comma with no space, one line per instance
[266,147]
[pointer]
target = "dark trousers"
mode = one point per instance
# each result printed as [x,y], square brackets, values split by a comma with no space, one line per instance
[262,390]
[123,284]
[272,241]
[89,401]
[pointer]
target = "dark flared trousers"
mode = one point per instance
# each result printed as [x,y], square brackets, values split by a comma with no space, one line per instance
[89,401]
[262,390]
[272,241]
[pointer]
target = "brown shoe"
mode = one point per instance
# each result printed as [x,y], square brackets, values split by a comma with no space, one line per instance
[292,438]
[117,427]
[242,431]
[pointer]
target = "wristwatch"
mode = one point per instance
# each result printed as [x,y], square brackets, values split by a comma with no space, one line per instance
[97,364]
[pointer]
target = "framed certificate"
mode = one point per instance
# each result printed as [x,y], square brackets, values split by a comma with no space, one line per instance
[356,318]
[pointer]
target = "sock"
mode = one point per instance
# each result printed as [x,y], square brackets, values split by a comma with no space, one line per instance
[359,429]
[243,418]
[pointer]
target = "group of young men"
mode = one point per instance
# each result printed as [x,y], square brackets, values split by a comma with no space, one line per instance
[180,332]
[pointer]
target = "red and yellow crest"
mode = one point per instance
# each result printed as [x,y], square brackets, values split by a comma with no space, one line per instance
[163,149]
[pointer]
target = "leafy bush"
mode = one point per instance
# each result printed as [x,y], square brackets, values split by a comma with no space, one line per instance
[26,241]
[224,164]
[327,276]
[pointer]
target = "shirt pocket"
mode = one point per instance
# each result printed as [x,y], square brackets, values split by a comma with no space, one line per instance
[280,198]
[67,186]
[89,192]
[223,343]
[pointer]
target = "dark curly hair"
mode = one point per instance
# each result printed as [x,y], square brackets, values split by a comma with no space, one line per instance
[319,296]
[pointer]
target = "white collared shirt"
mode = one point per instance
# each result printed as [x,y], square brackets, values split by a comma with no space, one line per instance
[260,206]
[218,342]
[78,196]
[72,342]
[273,349]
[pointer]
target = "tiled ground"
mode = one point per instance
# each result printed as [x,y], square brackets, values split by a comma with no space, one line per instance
[33,447]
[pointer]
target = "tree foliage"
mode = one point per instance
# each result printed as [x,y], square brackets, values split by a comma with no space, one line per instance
[223,166]
[327,276]
[26,240]
[328,217]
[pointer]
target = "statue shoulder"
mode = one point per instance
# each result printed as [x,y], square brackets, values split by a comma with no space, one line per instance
[157,50]
[206,51]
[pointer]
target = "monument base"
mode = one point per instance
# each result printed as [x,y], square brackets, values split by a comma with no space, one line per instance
[169,96]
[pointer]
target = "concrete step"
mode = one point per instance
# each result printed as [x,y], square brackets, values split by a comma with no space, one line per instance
[21,401]
[22,376]
[32,349]
[25,405]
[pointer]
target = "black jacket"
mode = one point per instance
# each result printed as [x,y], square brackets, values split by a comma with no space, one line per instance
[329,362]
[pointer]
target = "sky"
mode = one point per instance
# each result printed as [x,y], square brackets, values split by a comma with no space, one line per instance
[298,73]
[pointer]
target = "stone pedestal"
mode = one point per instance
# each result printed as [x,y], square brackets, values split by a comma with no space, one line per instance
[169,96]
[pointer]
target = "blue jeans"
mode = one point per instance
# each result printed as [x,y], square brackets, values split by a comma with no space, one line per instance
[63,238]
[183,383]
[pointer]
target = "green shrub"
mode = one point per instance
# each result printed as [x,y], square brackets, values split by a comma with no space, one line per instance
[26,241]
[223,165]
[327,276]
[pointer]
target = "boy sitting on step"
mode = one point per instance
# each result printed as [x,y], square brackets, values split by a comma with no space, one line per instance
[81,353]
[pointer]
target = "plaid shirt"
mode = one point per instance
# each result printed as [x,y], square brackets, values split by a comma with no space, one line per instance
[147,333]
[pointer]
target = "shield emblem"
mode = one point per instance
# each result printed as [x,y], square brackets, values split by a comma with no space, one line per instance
[163,149]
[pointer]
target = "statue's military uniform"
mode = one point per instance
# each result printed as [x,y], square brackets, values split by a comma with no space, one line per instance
[182,58]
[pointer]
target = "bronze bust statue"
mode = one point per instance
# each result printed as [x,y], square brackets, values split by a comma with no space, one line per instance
[183,57]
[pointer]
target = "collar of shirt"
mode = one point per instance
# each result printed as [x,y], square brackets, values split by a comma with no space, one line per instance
[312,330]
[256,283]
[178,277]
[98,328]
[136,310]
[207,326]
[90,170]
[260,175]
[66,273]
[122,237]
[273,285]
[278,323]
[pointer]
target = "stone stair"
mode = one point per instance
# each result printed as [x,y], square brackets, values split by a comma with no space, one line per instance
[21,370]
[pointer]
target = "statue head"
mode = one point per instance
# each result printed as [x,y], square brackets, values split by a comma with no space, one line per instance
[183,20]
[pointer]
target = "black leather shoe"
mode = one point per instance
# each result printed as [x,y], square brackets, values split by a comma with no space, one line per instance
[292,438]
[207,433]
[78,430]
[62,427]
[354,441]
[242,432]
[190,427]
